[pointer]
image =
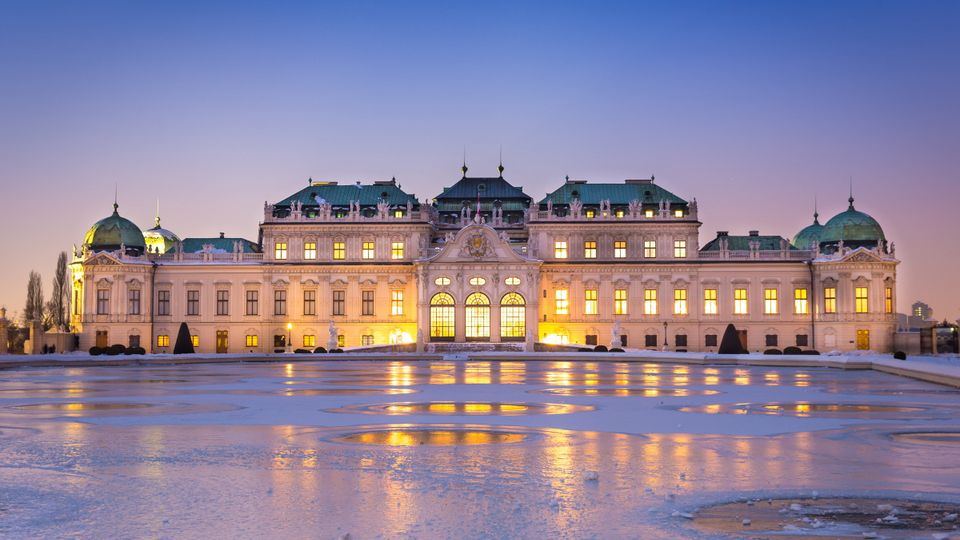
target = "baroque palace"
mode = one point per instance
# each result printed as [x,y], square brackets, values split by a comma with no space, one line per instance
[614,264]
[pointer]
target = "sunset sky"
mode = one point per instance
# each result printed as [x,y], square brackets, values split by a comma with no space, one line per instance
[754,108]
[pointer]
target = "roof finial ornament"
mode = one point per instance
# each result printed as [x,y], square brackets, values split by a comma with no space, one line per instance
[850,200]
[116,196]
[309,180]
[500,167]
[464,168]
[815,213]
[157,218]
[567,178]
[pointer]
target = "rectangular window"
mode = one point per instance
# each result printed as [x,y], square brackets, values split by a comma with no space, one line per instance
[888,300]
[193,302]
[591,213]
[253,301]
[802,340]
[591,339]
[398,213]
[253,340]
[860,296]
[590,302]
[619,213]
[366,339]
[648,213]
[341,340]
[770,304]
[679,301]
[678,213]
[620,302]
[771,340]
[279,341]
[800,306]
[279,302]
[195,340]
[133,301]
[830,300]
[710,340]
[562,302]
[650,340]
[339,251]
[560,249]
[310,250]
[163,302]
[339,303]
[590,249]
[649,301]
[133,341]
[680,249]
[368,251]
[309,340]
[396,302]
[396,250]
[280,251]
[649,249]
[620,249]
[366,298]
[680,340]
[223,302]
[710,302]
[740,301]
[309,302]
[163,341]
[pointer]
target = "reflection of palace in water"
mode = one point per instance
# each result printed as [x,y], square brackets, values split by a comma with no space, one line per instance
[614,264]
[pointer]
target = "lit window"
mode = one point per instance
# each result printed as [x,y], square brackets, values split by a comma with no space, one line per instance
[710,302]
[477,317]
[195,340]
[678,213]
[398,213]
[368,250]
[620,249]
[590,302]
[309,341]
[830,300]
[560,249]
[253,340]
[619,213]
[339,251]
[590,249]
[280,251]
[442,317]
[396,302]
[309,302]
[649,301]
[366,340]
[442,281]
[620,302]
[366,301]
[888,300]
[513,317]
[163,341]
[680,249]
[860,296]
[800,301]
[648,213]
[478,281]
[770,304]
[740,301]
[591,213]
[562,302]
[309,250]
[341,340]
[649,249]
[863,340]
[679,301]
[396,250]
[512,281]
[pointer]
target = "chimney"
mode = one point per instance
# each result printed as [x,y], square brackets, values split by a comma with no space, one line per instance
[754,233]
[221,235]
[721,234]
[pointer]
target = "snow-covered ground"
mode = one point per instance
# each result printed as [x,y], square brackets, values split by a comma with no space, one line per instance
[271,449]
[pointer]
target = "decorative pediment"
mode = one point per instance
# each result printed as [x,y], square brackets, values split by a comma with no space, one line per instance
[862,255]
[309,281]
[368,280]
[280,283]
[397,281]
[134,284]
[104,283]
[102,259]
[478,242]
[338,279]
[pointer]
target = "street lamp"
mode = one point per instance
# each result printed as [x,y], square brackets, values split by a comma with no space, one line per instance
[289,328]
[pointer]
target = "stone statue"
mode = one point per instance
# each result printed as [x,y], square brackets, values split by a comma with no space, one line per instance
[409,208]
[575,207]
[634,208]
[332,340]
[615,334]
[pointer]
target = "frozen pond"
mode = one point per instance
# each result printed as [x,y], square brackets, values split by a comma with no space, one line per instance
[466,450]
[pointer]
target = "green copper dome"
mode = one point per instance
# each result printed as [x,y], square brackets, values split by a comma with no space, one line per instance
[854,228]
[160,240]
[809,235]
[111,232]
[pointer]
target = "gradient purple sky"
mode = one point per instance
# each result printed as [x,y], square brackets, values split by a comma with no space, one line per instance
[751,107]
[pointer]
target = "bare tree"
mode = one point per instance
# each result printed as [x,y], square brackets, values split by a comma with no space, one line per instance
[34,308]
[60,295]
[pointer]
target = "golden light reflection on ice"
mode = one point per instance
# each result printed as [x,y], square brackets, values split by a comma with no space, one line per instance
[432,437]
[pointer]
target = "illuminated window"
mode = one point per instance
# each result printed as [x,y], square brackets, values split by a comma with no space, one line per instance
[560,249]
[888,300]
[649,301]
[679,301]
[860,297]
[620,302]
[366,340]
[513,321]
[800,306]
[398,213]
[830,300]
[478,281]
[648,213]
[396,250]
[740,301]
[863,340]
[710,302]
[770,304]
[649,249]
[562,302]
[620,249]
[477,317]
[279,302]
[678,213]
[309,302]
[163,302]
[253,340]
[442,281]
[280,251]
[618,213]
[396,302]
[193,302]
[341,340]
[309,250]
[223,302]
[680,249]
[590,249]
[133,301]
[512,281]
[366,302]
[591,213]
[442,317]
[163,341]
[590,302]
[368,251]
[195,340]
[309,340]
[253,301]
[339,251]
[339,302]
[103,301]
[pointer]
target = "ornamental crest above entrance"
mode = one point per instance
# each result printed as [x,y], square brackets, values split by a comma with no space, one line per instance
[477,246]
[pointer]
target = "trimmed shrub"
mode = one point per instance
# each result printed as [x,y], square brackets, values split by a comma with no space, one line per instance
[319,350]
[279,351]
[616,349]
[336,350]
[600,348]
[772,351]
[730,344]
[792,350]
[184,343]
[115,350]
[681,350]
[900,355]
[302,351]
[811,352]
[96,351]
[135,350]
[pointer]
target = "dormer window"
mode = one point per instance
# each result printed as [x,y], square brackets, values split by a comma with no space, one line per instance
[591,213]
[678,213]
[648,213]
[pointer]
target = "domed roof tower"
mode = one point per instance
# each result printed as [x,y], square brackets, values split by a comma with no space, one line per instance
[158,239]
[852,227]
[809,235]
[114,231]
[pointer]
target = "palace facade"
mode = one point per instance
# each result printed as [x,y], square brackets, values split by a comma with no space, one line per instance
[614,264]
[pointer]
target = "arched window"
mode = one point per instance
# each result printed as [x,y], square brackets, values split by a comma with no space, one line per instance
[513,320]
[442,318]
[478,317]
